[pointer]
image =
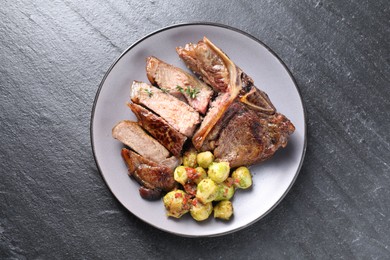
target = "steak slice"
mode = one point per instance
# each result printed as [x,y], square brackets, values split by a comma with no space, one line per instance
[179,83]
[165,134]
[153,177]
[132,135]
[172,162]
[177,113]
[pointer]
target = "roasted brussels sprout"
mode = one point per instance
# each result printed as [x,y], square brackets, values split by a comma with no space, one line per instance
[204,159]
[223,210]
[189,158]
[200,211]
[218,171]
[200,175]
[225,191]
[176,203]
[242,178]
[206,190]
[180,175]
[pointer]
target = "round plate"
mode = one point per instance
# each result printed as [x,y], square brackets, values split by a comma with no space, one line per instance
[272,179]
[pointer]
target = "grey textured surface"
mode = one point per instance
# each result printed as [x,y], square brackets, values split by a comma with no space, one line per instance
[54,203]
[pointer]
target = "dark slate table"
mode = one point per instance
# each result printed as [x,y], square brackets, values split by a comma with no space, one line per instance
[54,202]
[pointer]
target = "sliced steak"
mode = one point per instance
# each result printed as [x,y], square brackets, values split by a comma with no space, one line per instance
[156,177]
[157,127]
[172,162]
[179,83]
[177,113]
[153,177]
[132,135]
[134,160]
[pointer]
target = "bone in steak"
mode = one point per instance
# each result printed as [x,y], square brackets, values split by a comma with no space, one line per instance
[242,125]
[215,68]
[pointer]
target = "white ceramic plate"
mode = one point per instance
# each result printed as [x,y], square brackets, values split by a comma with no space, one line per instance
[272,179]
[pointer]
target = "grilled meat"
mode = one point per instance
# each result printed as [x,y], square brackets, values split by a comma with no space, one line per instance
[215,68]
[153,177]
[177,113]
[169,137]
[242,125]
[179,83]
[246,137]
[132,135]
[172,162]
[208,62]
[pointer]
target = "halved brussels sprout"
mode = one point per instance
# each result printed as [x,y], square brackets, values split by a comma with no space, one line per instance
[223,210]
[180,175]
[218,171]
[206,190]
[176,203]
[189,158]
[225,191]
[200,175]
[200,211]
[242,178]
[204,159]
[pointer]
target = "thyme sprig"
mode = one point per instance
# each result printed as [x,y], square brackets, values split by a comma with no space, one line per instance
[180,89]
[191,92]
[164,90]
[149,92]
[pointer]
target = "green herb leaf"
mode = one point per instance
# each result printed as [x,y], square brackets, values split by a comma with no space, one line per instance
[149,92]
[192,92]
[180,89]
[166,91]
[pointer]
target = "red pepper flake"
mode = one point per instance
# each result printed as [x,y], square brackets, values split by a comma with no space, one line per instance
[195,202]
[191,173]
[178,195]
[190,188]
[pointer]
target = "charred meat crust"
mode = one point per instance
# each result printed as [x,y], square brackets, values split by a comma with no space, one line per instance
[169,137]
[150,175]
[246,137]
[150,194]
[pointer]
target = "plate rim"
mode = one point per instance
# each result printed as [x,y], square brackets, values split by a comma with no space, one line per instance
[214,24]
